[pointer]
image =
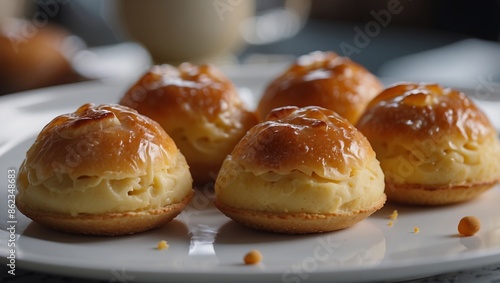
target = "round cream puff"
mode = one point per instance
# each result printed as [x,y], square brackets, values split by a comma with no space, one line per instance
[199,107]
[35,56]
[103,170]
[322,79]
[302,170]
[434,145]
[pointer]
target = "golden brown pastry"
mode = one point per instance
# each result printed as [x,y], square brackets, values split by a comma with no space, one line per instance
[303,170]
[34,56]
[103,170]
[322,79]
[199,107]
[434,145]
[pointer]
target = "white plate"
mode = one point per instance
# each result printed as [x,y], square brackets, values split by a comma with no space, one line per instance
[207,246]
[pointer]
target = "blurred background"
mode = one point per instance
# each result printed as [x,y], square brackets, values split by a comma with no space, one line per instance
[61,41]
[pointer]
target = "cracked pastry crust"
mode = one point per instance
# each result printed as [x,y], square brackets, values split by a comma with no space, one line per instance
[303,170]
[434,145]
[103,170]
[199,107]
[322,79]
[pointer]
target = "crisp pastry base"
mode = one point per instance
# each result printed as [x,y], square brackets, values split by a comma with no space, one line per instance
[297,223]
[428,195]
[110,224]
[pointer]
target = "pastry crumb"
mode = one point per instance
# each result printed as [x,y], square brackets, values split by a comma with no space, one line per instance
[394,215]
[253,257]
[469,225]
[390,224]
[162,245]
[416,230]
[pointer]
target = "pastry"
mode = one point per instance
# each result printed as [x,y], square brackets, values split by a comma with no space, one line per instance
[434,145]
[103,170]
[34,56]
[302,170]
[199,107]
[322,79]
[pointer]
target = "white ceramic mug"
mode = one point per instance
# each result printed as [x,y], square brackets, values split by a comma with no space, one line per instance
[203,30]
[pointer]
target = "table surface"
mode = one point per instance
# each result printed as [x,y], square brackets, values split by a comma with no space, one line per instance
[488,274]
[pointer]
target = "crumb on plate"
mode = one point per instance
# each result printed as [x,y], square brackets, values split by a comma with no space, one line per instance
[469,225]
[416,230]
[390,224]
[162,245]
[253,257]
[394,215]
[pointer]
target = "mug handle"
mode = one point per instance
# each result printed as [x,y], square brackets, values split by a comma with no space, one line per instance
[276,24]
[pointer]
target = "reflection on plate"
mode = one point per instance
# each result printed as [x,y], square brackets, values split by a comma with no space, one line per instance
[207,246]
